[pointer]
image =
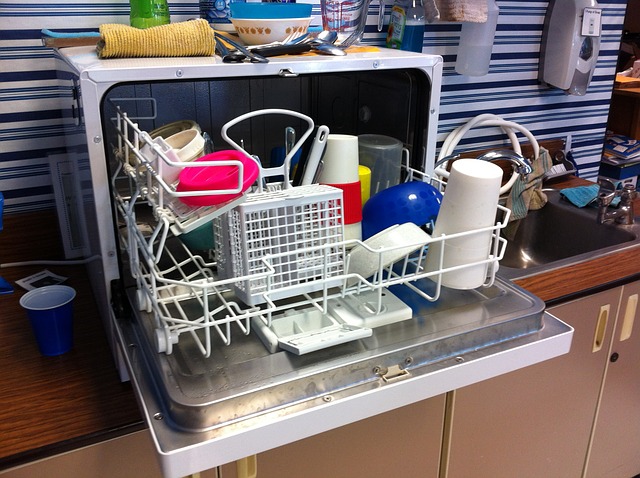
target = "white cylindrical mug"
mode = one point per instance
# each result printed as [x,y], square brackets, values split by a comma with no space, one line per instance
[340,160]
[470,202]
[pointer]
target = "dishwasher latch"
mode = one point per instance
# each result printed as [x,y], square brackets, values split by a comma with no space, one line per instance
[392,374]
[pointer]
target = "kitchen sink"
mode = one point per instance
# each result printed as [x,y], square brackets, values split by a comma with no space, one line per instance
[561,234]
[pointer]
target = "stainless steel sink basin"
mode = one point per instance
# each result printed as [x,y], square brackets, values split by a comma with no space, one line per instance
[562,234]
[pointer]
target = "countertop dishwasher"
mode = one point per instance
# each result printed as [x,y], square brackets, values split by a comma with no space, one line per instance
[212,387]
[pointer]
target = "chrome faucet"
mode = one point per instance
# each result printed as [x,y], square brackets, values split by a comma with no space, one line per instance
[522,164]
[624,214]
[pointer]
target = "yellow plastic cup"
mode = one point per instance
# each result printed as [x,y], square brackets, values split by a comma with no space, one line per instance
[364,173]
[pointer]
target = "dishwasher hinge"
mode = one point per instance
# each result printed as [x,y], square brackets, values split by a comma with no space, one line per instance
[287,73]
[392,374]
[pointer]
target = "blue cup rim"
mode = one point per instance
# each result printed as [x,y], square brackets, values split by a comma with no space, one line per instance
[47,289]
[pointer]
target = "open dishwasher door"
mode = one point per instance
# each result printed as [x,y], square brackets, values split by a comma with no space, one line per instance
[242,400]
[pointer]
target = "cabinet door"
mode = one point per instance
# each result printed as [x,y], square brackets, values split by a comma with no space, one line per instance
[615,450]
[401,443]
[536,422]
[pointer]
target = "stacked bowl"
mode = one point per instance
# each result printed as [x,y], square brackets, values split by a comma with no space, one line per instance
[263,23]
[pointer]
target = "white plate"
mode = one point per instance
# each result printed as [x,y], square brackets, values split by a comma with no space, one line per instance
[385,248]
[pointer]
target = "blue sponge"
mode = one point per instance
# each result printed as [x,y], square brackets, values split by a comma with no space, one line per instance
[581,196]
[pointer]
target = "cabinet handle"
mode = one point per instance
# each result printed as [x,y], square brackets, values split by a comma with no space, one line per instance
[601,328]
[629,317]
[247,467]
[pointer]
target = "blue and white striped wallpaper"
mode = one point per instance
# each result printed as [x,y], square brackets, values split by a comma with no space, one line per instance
[31,127]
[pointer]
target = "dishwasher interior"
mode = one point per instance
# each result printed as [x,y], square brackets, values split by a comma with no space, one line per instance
[229,345]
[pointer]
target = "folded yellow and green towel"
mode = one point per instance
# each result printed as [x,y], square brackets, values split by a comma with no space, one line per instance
[190,38]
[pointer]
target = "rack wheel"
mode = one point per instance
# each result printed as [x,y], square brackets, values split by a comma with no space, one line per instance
[165,340]
[143,301]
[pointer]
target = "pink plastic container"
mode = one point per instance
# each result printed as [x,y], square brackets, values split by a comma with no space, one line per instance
[217,178]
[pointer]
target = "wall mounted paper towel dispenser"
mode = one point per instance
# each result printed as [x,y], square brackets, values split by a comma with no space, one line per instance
[570,44]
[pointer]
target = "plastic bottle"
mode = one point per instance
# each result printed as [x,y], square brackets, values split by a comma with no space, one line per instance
[149,13]
[406,27]
[217,13]
[476,43]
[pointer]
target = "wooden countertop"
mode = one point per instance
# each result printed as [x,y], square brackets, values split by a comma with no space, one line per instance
[53,404]
[634,92]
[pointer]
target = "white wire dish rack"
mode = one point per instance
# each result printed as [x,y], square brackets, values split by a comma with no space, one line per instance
[281,264]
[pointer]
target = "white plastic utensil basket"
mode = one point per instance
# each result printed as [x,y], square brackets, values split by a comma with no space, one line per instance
[296,235]
[278,230]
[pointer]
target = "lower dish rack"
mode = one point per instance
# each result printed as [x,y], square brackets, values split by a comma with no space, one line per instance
[279,265]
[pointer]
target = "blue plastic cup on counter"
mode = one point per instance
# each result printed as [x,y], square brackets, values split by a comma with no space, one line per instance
[50,311]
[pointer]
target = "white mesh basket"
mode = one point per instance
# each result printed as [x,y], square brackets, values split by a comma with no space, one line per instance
[285,242]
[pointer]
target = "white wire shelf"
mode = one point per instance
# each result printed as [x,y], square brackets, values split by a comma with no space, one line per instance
[301,260]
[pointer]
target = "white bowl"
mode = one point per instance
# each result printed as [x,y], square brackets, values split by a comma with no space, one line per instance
[169,129]
[260,31]
[183,146]
[188,144]
[389,246]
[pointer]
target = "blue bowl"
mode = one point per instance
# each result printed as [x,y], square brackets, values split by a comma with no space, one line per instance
[415,202]
[254,10]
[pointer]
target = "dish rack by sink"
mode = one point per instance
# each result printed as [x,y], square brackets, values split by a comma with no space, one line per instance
[279,253]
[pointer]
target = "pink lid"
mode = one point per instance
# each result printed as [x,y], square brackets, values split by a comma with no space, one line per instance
[217,178]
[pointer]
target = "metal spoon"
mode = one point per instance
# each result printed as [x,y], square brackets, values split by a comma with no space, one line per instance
[327,48]
[323,43]
[328,36]
[228,56]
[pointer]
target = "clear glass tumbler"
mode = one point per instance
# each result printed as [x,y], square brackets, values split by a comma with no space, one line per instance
[346,17]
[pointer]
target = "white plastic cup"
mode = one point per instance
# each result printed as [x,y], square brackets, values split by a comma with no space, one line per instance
[340,160]
[470,202]
[50,311]
[341,169]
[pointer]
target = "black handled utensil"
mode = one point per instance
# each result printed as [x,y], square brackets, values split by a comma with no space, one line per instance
[286,49]
[253,57]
